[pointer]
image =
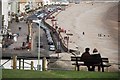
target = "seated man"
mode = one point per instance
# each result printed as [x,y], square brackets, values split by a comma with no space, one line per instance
[86,57]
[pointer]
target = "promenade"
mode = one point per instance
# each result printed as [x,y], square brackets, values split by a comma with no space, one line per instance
[14,26]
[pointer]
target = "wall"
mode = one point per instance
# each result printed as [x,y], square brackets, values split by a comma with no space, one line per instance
[0,15]
[0,23]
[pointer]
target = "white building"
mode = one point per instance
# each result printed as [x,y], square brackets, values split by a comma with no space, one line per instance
[8,6]
[0,15]
[1,24]
[29,4]
[46,2]
[14,6]
[61,2]
[5,11]
[5,15]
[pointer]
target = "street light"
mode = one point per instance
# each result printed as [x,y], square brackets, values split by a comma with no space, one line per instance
[39,22]
[68,36]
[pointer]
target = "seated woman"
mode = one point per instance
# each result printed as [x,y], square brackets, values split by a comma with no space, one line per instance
[96,59]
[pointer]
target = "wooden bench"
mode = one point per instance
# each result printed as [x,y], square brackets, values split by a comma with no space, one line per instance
[100,63]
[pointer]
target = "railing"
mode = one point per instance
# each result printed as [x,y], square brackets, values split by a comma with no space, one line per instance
[6,64]
[57,35]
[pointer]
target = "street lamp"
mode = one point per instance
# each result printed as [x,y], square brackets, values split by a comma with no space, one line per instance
[68,36]
[39,22]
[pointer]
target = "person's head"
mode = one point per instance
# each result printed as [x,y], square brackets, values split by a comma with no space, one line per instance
[87,49]
[95,50]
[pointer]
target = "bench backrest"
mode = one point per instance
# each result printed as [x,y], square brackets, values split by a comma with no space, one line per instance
[97,59]
[73,58]
[105,60]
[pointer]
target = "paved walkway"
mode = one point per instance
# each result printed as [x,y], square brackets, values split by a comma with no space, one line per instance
[14,26]
[71,46]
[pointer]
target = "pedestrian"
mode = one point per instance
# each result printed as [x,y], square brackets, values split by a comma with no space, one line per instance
[56,27]
[11,20]
[16,17]
[100,35]
[65,31]
[27,38]
[19,28]
[23,44]
[83,33]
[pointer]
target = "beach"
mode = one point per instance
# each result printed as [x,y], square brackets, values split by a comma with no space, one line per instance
[99,22]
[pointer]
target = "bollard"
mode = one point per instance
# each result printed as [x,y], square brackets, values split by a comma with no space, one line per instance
[75,68]
[19,63]
[44,64]
[23,64]
[14,62]
[31,65]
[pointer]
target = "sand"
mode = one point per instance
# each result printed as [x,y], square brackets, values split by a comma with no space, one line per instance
[99,18]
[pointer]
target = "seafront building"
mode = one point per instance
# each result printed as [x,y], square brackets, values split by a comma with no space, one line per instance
[9,7]
[0,24]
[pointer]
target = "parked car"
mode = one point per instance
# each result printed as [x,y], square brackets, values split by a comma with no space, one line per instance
[52,48]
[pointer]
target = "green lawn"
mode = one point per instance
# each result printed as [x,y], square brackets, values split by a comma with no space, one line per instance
[57,74]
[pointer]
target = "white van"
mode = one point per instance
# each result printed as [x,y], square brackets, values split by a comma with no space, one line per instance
[52,48]
[0,45]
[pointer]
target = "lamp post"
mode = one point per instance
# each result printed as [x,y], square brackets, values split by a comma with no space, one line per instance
[68,36]
[39,22]
[67,39]
[67,43]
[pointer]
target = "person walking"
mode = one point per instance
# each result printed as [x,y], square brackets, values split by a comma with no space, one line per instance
[19,28]
[83,33]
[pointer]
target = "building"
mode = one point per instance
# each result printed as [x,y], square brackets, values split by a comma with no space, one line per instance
[1,24]
[8,6]
[27,5]
[21,5]
[0,15]
[75,1]
[46,2]
[4,16]
[61,2]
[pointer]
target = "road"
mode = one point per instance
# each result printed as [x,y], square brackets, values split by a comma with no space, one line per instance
[44,51]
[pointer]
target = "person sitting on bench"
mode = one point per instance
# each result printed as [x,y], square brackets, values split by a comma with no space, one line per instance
[86,57]
[96,58]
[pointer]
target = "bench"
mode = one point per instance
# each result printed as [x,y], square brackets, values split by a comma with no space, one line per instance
[100,63]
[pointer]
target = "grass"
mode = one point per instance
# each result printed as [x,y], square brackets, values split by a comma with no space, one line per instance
[56,74]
